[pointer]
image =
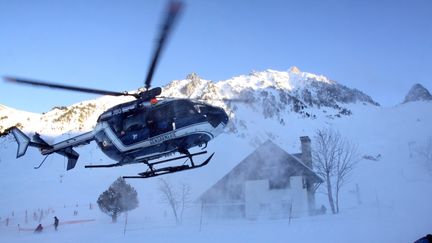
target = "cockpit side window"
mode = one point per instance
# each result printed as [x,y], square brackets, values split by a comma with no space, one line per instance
[160,120]
[116,124]
[133,127]
[133,122]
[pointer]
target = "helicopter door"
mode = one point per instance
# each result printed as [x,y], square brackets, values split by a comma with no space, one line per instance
[160,120]
[134,128]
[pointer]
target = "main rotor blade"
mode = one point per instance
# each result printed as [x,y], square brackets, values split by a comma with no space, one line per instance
[174,9]
[64,87]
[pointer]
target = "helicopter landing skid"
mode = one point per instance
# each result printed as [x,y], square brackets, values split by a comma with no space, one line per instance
[169,169]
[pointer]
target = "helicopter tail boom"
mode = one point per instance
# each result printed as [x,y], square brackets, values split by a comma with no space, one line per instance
[64,148]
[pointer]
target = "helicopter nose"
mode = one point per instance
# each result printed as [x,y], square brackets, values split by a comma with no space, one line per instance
[222,117]
[217,117]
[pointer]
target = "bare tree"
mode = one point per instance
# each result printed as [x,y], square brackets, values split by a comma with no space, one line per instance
[346,161]
[169,197]
[334,159]
[425,151]
[178,199]
[184,199]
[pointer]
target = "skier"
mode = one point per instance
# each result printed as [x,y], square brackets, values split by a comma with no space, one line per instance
[56,222]
[38,229]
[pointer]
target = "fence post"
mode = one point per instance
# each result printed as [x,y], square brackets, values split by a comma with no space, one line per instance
[290,213]
[201,218]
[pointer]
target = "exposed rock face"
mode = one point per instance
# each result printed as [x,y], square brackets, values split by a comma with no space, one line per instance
[417,93]
[273,92]
[270,94]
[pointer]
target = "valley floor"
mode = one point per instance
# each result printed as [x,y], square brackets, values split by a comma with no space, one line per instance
[364,224]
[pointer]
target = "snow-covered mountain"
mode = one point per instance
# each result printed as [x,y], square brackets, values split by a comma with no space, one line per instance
[385,200]
[418,93]
[271,94]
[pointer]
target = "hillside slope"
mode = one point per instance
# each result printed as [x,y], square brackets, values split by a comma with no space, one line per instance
[392,206]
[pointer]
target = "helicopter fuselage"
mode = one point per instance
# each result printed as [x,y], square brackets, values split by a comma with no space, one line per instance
[140,130]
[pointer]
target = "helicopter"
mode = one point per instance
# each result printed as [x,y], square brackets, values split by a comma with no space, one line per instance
[142,131]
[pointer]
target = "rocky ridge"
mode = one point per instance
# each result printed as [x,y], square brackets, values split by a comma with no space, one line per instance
[270,94]
[417,93]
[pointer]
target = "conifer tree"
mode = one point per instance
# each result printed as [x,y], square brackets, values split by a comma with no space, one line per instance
[120,197]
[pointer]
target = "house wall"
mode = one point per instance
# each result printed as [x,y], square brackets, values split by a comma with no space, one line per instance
[261,202]
[223,210]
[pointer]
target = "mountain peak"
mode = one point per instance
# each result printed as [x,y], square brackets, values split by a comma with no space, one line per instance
[417,93]
[294,69]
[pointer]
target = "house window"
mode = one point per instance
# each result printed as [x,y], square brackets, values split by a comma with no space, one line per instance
[304,183]
[280,183]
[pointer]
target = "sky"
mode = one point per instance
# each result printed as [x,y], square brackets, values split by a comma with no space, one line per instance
[379,47]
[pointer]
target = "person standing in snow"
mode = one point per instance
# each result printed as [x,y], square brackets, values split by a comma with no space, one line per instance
[56,222]
[38,229]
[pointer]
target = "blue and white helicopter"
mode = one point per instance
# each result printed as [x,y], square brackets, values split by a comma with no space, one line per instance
[140,131]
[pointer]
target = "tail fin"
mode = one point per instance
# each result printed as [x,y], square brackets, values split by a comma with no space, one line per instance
[71,155]
[22,140]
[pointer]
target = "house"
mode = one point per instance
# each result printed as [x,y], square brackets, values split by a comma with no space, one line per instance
[268,183]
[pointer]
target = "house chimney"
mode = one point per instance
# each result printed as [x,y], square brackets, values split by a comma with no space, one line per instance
[306,156]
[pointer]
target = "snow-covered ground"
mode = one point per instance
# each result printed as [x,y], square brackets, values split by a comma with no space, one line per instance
[352,225]
[393,203]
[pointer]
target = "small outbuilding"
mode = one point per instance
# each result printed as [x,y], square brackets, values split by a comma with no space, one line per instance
[268,183]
